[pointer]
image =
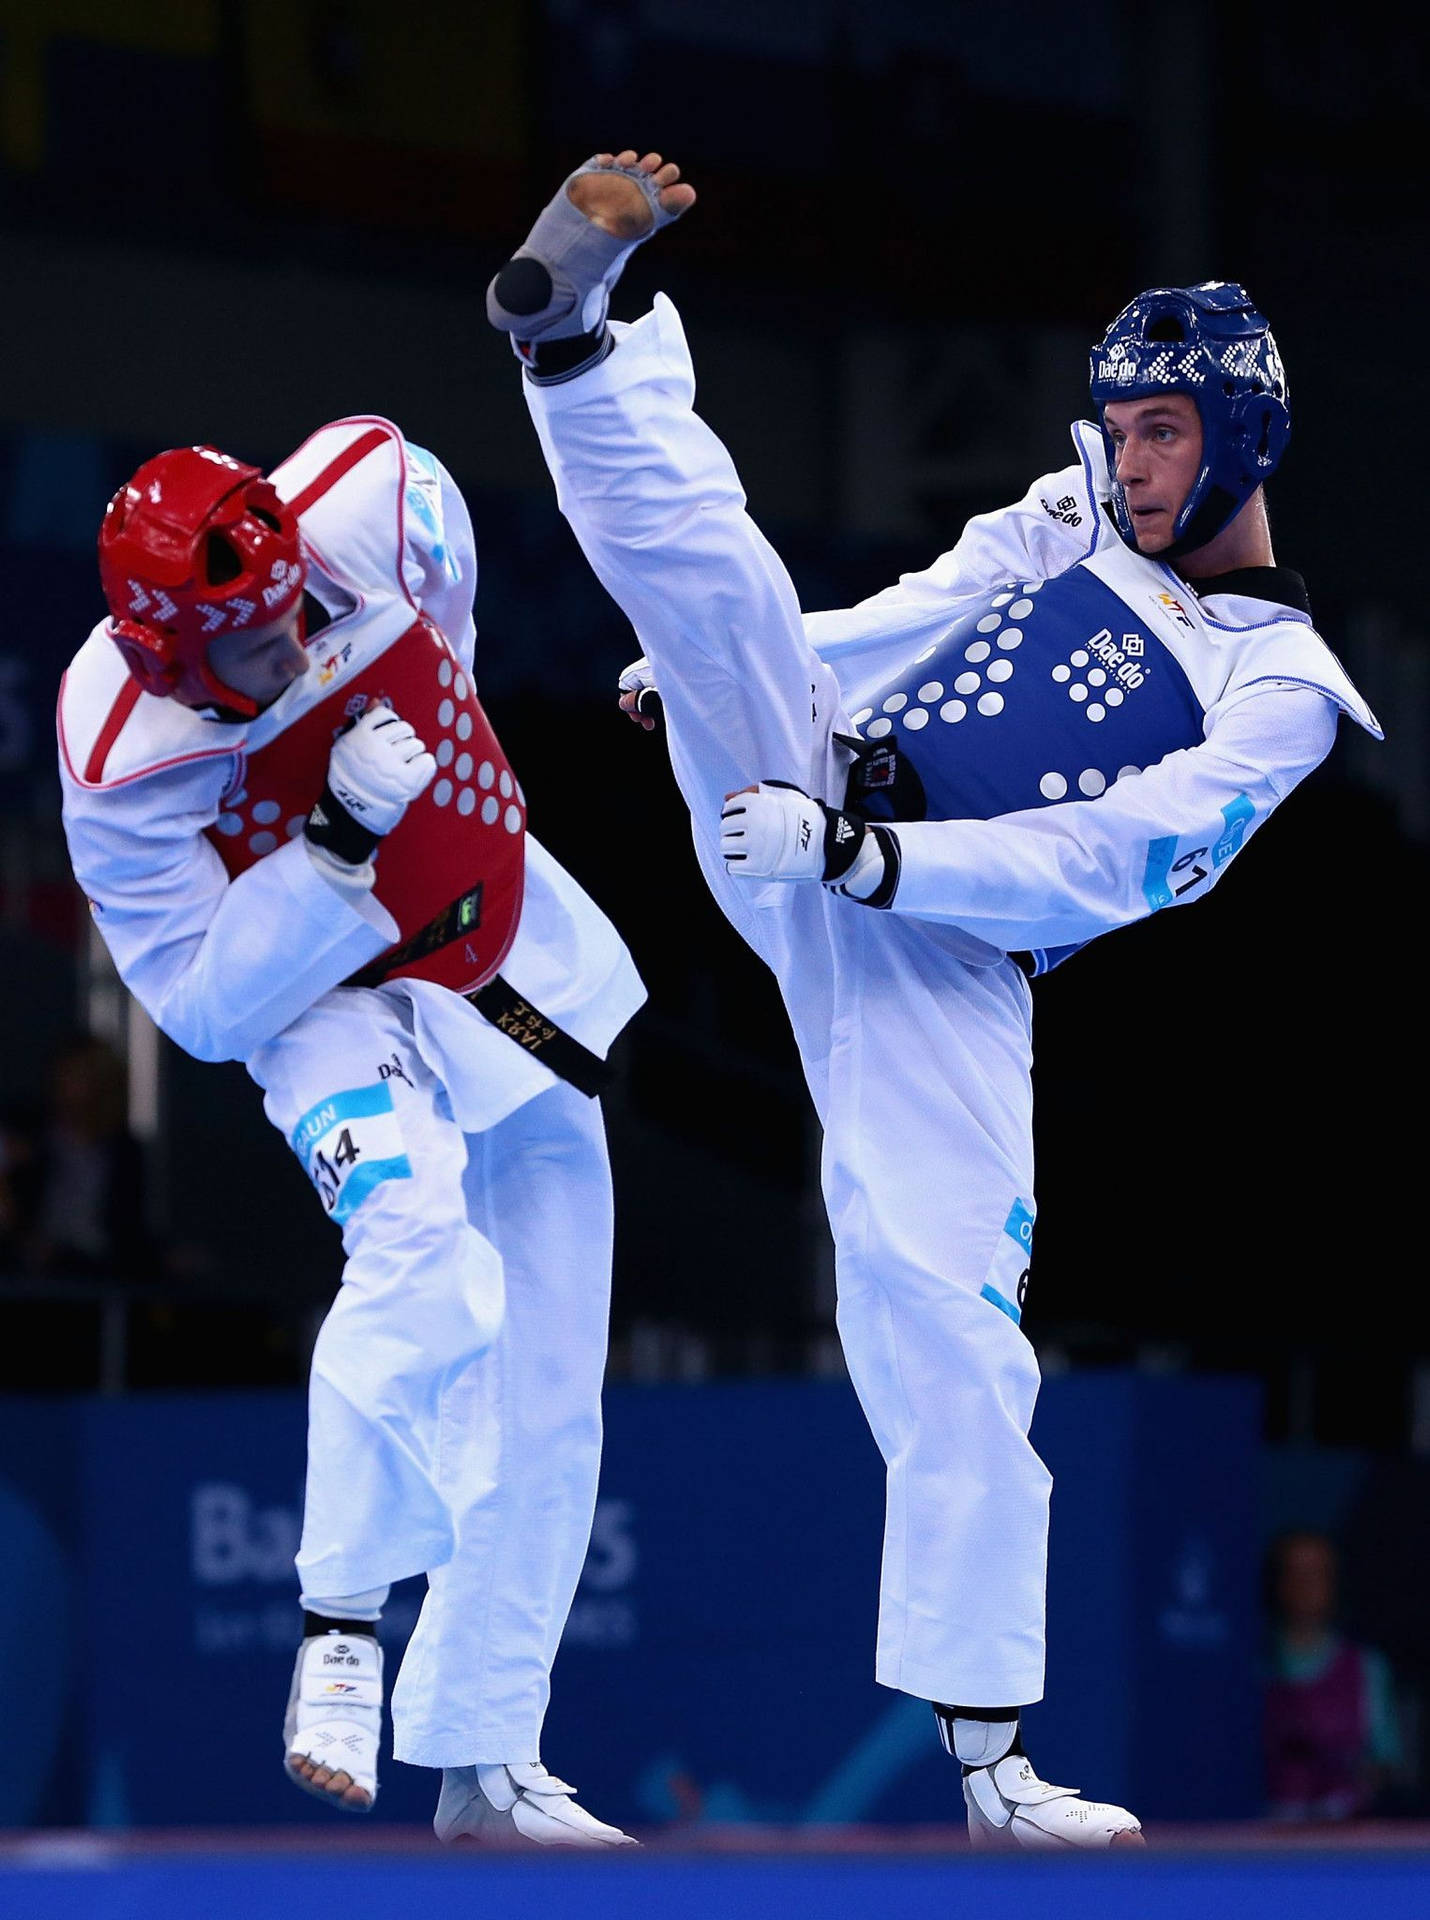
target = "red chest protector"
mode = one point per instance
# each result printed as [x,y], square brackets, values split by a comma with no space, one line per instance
[451,872]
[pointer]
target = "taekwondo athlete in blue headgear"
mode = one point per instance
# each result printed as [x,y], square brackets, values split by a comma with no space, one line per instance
[1073,719]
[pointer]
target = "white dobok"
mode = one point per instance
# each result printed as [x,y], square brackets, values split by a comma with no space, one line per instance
[913,1023]
[454,1422]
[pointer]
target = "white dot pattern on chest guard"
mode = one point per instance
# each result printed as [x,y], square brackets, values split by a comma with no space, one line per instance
[263,814]
[1095,680]
[469,780]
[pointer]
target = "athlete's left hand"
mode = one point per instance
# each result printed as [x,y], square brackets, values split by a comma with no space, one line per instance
[775,831]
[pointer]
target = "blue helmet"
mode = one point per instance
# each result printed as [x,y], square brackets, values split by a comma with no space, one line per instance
[1211,342]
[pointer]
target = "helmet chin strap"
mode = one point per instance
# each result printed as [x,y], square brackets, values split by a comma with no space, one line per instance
[1210,517]
[219,693]
[1217,511]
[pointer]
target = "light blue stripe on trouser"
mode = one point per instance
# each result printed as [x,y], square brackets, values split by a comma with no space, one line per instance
[357,1103]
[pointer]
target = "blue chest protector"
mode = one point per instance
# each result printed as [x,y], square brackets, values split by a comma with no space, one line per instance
[1044,691]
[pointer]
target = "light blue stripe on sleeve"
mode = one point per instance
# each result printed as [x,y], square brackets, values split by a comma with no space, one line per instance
[1157,880]
[996,1299]
[1236,813]
[1019,1225]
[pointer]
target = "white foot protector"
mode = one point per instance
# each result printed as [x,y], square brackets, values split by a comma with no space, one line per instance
[334,1713]
[1009,1806]
[515,1805]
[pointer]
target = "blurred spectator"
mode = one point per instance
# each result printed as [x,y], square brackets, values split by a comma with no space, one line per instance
[1332,1742]
[72,1179]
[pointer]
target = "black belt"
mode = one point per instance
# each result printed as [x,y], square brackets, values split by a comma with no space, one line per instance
[499,1002]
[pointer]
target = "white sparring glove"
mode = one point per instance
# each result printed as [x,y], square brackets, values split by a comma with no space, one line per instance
[778,832]
[638,679]
[374,770]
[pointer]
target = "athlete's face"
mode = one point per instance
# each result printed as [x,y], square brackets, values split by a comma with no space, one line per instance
[262,663]
[1158,448]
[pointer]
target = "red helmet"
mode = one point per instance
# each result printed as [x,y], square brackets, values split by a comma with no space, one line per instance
[195,545]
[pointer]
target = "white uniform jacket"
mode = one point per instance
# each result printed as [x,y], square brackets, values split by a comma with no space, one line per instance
[224,966]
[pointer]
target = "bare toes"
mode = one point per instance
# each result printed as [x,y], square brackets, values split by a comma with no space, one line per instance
[626,157]
[650,162]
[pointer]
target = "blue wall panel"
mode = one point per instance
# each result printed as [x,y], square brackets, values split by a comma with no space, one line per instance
[718,1664]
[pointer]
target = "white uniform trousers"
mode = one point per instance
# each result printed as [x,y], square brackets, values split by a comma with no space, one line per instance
[454,1404]
[919,1062]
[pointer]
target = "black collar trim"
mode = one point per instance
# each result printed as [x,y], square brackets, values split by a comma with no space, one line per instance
[1282,586]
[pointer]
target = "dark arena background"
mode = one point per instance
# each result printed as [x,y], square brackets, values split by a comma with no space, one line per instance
[233,220]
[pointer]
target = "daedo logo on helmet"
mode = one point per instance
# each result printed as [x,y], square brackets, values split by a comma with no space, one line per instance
[1212,343]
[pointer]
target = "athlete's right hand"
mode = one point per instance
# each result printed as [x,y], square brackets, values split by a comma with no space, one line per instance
[377,767]
[639,695]
[375,770]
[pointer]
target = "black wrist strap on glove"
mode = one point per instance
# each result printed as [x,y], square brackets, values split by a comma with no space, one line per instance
[331,827]
[844,837]
[883,894]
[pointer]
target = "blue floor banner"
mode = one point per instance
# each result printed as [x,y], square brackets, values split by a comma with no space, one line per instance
[654,1886]
[718,1662]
